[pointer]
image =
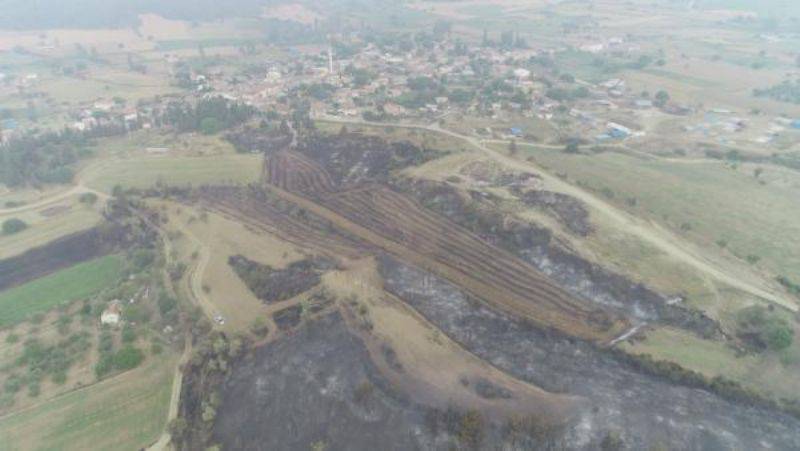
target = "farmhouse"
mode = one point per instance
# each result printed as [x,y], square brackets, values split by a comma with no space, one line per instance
[112,314]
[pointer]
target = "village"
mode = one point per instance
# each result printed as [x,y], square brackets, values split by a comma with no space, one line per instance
[505,89]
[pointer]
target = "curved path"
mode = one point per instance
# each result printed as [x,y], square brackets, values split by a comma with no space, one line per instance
[644,230]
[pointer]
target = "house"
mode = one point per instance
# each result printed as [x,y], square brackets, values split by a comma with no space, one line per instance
[592,48]
[112,315]
[9,124]
[522,74]
[618,131]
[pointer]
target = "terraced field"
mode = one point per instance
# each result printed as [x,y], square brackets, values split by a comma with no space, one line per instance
[373,218]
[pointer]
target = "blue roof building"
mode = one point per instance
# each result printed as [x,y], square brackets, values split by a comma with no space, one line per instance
[9,124]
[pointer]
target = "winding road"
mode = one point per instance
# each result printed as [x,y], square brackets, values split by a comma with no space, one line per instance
[647,231]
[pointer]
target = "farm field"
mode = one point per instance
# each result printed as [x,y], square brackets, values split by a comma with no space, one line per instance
[769,373]
[124,412]
[707,203]
[389,220]
[71,284]
[136,144]
[106,83]
[144,171]
[48,223]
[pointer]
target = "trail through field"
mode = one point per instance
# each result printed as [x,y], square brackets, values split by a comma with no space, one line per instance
[69,192]
[645,230]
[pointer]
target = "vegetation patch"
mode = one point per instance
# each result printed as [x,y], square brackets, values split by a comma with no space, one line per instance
[761,329]
[288,318]
[13,225]
[126,412]
[275,285]
[787,91]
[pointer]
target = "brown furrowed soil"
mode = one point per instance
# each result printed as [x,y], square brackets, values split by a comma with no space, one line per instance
[302,201]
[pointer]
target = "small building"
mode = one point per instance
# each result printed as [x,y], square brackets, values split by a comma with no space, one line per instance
[9,124]
[618,131]
[516,131]
[796,124]
[112,315]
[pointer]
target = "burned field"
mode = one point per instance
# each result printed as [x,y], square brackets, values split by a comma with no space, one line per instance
[47,259]
[324,390]
[645,409]
[354,197]
[275,285]
[506,292]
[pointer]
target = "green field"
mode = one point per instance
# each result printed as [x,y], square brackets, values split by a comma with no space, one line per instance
[775,374]
[127,412]
[71,284]
[146,171]
[703,201]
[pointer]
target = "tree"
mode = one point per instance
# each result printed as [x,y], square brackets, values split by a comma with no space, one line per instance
[762,329]
[127,358]
[210,125]
[88,198]
[471,429]
[512,147]
[661,99]
[572,147]
[259,327]
[13,225]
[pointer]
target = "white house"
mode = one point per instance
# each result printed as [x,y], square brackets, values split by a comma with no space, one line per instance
[112,314]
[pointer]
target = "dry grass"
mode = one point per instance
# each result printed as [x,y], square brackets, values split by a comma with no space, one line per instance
[433,365]
[768,372]
[43,229]
[124,412]
[219,238]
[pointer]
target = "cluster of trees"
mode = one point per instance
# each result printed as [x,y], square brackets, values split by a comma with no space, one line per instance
[787,91]
[273,285]
[790,286]
[13,225]
[38,361]
[126,358]
[206,370]
[422,91]
[507,40]
[208,115]
[565,94]
[42,158]
[762,329]
[719,385]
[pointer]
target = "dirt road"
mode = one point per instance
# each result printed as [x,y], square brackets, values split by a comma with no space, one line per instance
[646,231]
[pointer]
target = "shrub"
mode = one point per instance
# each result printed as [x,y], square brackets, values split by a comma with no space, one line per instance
[128,334]
[127,358]
[259,327]
[88,198]
[13,225]
[471,429]
[761,329]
